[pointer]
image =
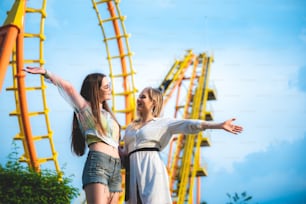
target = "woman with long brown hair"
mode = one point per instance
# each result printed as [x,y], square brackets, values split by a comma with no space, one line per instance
[95,126]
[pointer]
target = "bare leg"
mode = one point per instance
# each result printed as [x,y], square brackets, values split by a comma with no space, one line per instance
[114,198]
[96,193]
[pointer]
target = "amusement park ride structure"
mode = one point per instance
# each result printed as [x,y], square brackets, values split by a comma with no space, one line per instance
[188,77]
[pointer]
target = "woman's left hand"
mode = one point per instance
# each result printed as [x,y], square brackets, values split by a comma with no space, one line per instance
[230,127]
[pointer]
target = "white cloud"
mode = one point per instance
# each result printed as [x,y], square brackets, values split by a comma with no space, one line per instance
[276,173]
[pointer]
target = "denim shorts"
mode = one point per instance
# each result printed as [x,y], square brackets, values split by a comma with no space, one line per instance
[104,169]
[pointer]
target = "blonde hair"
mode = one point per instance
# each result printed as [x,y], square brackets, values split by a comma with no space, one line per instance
[154,95]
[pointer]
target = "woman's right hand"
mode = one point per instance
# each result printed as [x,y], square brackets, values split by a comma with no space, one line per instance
[35,70]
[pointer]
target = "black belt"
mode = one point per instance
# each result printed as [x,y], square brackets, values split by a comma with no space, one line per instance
[127,169]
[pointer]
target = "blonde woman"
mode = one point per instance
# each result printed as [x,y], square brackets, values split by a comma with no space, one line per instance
[147,178]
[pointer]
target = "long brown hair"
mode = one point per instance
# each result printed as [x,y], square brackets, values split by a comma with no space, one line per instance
[90,90]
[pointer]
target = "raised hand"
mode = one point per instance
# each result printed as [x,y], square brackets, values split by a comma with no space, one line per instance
[35,70]
[230,127]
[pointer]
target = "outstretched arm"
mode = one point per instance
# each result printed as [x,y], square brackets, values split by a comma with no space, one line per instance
[226,125]
[65,88]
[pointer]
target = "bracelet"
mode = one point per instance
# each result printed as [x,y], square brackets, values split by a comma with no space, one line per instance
[46,74]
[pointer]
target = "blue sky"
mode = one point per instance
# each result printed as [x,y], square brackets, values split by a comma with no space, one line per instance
[259,72]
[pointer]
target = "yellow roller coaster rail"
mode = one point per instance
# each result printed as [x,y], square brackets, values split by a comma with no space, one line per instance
[121,57]
[15,49]
[184,166]
[175,75]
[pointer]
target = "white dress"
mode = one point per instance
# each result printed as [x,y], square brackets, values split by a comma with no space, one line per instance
[147,170]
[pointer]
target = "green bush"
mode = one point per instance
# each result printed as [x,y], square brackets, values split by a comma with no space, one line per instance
[22,185]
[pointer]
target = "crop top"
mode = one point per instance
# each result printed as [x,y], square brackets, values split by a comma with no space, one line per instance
[86,119]
[88,127]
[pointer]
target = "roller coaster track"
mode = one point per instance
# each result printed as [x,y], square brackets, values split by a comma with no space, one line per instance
[184,166]
[119,57]
[13,46]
